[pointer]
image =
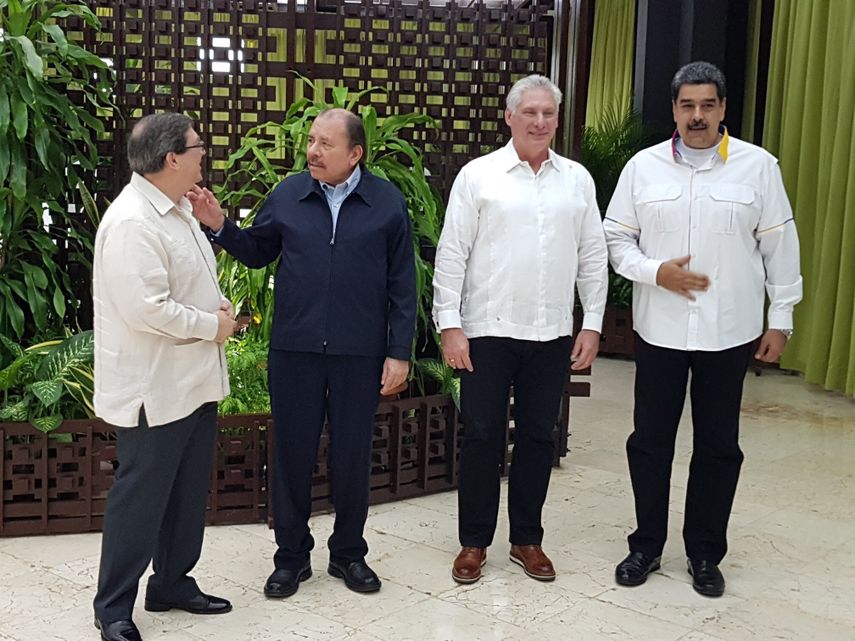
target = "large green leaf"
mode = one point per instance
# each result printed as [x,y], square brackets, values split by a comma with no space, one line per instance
[9,377]
[57,35]
[46,423]
[16,412]
[48,392]
[73,351]
[35,64]
[19,118]
[5,111]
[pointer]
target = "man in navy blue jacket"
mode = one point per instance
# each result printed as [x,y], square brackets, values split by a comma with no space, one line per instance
[345,310]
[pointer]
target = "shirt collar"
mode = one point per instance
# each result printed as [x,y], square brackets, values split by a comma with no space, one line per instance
[722,147]
[348,185]
[510,159]
[362,188]
[160,201]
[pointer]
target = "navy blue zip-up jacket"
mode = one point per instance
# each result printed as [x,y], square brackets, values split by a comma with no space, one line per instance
[350,294]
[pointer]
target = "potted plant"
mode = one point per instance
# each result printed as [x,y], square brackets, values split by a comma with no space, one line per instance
[47,145]
[606,148]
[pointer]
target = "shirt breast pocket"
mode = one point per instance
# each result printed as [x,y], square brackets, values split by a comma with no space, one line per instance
[733,208]
[185,261]
[659,207]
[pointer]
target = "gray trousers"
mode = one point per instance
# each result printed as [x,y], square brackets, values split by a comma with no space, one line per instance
[156,512]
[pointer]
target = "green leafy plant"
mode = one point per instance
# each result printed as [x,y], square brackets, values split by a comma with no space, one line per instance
[47,146]
[273,150]
[442,374]
[48,382]
[606,148]
[247,360]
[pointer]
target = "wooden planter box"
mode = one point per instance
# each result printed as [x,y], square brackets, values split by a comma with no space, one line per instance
[58,483]
[618,338]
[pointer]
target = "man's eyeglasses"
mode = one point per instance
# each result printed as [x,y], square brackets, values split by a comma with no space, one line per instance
[199,145]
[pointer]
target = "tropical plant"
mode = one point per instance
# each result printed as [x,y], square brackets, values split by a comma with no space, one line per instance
[606,148]
[254,171]
[442,374]
[48,382]
[47,145]
[247,358]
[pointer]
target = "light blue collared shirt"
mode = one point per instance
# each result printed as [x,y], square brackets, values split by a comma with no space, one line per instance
[337,193]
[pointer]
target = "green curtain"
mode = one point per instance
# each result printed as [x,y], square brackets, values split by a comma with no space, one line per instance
[612,55]
[809,125]
[752,49]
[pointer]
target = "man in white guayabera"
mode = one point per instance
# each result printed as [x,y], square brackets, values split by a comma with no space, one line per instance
[521,231]
[160,368]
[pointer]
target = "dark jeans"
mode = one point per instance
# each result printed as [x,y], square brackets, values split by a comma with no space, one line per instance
[304,389]
[156,512]
[537,371]
[660,390]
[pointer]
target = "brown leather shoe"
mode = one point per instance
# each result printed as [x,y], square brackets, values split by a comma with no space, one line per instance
[467,566]
[535,563]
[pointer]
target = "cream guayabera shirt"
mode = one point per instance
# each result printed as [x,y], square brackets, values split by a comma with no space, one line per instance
[733,217]
[156,295]
[513,246]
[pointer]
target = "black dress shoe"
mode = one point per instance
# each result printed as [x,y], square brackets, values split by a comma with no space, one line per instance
[283,583]
[199,604]
[706,578]
[356,574]
[124,630]
[633,570]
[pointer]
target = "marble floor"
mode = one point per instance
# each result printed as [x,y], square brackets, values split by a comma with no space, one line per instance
[790,570]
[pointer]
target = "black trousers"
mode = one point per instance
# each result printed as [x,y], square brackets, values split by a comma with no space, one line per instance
[537,371]
[156,511]
[660,390]
[304,389]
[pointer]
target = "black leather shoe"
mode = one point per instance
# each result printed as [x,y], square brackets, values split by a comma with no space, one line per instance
[199,604]
[633,570]
[356,574]
[283,583]
[124,630]
[706,578]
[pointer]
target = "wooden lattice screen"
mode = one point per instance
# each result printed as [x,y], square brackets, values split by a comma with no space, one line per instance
[228,64]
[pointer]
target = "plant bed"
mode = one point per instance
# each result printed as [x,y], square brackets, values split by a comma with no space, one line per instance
[57,483]
[618,339]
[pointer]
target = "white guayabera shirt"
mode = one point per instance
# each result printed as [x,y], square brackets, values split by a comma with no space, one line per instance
[731,214]
[514,245]
[155,293]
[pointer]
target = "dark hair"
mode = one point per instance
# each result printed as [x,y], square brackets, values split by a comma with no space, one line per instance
[699,73]
[153,137]
[352,125]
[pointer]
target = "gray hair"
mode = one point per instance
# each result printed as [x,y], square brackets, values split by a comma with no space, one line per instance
[353,127]
[531,82]
[699,73]
[153,137]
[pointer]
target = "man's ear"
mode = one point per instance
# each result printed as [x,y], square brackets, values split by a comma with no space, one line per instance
[356,154]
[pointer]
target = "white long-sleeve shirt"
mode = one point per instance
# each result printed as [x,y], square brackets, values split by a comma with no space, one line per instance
[733,217]
[513,246]
[155,294]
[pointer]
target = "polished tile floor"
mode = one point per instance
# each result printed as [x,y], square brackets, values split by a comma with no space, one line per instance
[790,571]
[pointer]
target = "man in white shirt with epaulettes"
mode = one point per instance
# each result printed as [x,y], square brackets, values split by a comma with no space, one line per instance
[702,225]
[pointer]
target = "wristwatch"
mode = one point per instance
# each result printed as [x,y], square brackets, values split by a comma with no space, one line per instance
[787,332]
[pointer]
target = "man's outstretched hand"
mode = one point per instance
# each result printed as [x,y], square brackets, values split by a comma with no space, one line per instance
[206,209]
